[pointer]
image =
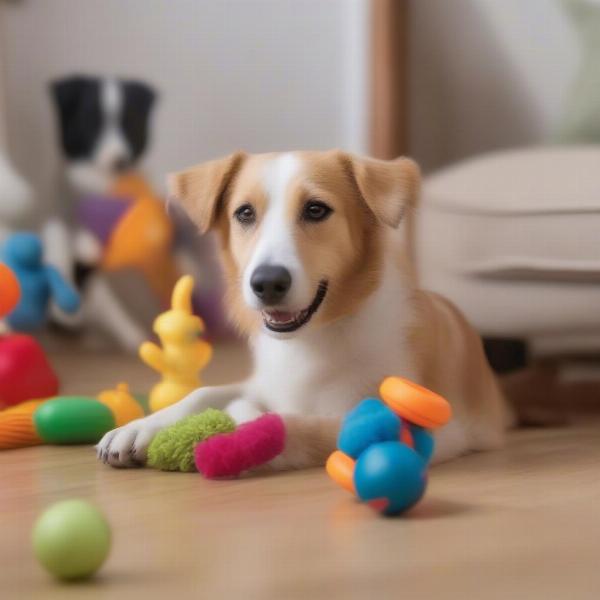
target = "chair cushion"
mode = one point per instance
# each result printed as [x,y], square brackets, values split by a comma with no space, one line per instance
[553,179]
[514,239]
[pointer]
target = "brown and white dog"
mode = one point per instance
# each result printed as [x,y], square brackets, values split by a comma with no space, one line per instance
[316,251]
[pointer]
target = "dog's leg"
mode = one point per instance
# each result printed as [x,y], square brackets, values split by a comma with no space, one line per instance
[59,251]
[126,446]
[451,442]
[58,247]
[104,308]
[308,442]
[243,410]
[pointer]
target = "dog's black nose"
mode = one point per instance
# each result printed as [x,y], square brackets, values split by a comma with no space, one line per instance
[271,283]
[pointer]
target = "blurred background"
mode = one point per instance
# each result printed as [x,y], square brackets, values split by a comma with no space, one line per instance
[280,74]
[498,101]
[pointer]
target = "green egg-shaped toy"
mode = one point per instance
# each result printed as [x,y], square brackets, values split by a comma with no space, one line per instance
[73,420]
[71,539]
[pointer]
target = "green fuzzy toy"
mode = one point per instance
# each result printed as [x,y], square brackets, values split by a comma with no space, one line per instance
[172,449]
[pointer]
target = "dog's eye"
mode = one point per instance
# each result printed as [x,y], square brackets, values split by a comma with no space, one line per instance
[245,214]
[315,210]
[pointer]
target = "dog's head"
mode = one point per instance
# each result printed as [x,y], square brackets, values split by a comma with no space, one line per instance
[302,233]
[103,125]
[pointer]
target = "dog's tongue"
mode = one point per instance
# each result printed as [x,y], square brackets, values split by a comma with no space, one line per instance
[279,316]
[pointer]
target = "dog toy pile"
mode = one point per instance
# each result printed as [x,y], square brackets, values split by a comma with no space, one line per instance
[172,449]
[27,286]
[71,539]
[183,354]
[34,414]
[134,230]
[384,448]
[212,444]
[67,419]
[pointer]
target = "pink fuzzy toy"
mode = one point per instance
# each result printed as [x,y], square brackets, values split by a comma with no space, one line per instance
[250,445]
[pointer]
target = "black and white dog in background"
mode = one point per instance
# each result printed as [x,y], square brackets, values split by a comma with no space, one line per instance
[103,127]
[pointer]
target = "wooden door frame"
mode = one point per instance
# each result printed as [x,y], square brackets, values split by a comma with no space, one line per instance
[389,78]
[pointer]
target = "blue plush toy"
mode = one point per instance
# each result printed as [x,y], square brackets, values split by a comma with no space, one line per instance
[40,283]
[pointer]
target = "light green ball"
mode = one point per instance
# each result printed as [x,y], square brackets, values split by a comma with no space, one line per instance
[71,539]
[172,449]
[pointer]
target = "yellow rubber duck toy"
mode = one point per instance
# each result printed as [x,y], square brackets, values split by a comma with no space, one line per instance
[183,354]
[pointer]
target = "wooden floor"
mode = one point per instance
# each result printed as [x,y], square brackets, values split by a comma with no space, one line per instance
[520,523]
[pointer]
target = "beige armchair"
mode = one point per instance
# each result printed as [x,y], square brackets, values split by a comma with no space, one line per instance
[514,239]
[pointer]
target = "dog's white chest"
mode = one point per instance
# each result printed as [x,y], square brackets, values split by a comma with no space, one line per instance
[329,374]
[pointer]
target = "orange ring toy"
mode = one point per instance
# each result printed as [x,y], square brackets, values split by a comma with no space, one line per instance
[415,403]
[10,290]
[340,467]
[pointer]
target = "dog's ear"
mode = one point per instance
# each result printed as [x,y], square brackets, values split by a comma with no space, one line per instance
[137,107]
[388,187]
[68,92]
[201,189]
[141,95]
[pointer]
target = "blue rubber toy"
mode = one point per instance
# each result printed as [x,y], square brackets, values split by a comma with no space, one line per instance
[423,442]
[390,476]
[371,422]
[385,446]
[40,283]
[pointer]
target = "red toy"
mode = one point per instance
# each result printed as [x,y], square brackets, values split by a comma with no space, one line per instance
[24,370]
[250,445]
[25,373]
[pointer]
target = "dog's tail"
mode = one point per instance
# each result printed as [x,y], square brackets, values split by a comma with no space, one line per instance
[271,441]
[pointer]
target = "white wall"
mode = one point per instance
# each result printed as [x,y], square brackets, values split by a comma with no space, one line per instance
[486,74]
[3,133]
[256,74]
[273,74]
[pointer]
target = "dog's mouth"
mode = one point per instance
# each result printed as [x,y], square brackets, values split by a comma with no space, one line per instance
[286,322]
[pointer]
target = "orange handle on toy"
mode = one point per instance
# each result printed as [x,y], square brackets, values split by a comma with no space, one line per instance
[17,429]
[10,290]
[415,403]
[340,467]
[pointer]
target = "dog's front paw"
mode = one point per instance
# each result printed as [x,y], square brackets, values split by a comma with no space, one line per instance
[127,446]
